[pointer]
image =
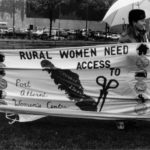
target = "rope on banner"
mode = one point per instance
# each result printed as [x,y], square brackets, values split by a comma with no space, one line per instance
[12,117]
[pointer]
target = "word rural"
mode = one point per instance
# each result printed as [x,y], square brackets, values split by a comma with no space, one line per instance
[28,55]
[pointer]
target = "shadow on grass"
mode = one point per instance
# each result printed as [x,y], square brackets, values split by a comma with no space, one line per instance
[72,134]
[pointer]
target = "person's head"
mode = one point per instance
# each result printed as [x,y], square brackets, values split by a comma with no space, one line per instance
[137,19]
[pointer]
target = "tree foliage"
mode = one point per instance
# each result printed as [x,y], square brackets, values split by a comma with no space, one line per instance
[44,8]
[92,9]
[74,9]
[70,9]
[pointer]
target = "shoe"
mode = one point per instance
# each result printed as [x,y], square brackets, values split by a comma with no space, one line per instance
[120,125]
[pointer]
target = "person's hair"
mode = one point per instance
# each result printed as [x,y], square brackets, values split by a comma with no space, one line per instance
[135,15]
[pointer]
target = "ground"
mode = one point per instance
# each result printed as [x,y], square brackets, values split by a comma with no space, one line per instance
[55,133]
[73,134]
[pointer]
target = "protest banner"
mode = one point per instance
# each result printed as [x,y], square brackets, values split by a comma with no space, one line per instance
[100,82]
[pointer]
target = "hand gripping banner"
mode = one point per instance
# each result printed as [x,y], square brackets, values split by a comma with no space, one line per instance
[98,82]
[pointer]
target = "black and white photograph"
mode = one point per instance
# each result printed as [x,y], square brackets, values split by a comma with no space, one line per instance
[75,74]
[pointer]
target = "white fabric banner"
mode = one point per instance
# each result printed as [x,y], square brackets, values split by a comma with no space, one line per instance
[101,82]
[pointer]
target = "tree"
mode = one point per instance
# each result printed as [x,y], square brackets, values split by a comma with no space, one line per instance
[96,9]
[76,9]
[45,8]
[72,9]
[86,9]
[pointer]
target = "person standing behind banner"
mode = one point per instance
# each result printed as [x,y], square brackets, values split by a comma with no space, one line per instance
[135,33]
[136,30]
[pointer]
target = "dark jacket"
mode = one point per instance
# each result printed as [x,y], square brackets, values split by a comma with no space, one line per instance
[132,36]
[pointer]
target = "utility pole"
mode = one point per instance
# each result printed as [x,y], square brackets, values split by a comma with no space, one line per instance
[123,25]
[14,17]
[59,17]
[59,21]
[86,25]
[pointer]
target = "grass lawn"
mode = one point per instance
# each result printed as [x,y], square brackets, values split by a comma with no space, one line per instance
[72,134]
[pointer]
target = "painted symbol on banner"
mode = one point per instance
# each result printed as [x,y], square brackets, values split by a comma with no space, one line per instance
[2,72]
[2,57]
[2,65]
[3,102]
[68,81]
[141,98]
[142,49]
[111,84]
[141,75]
[140,87]
[141,108]
[142,62]
[2,94]
[2,97]
[3,84]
